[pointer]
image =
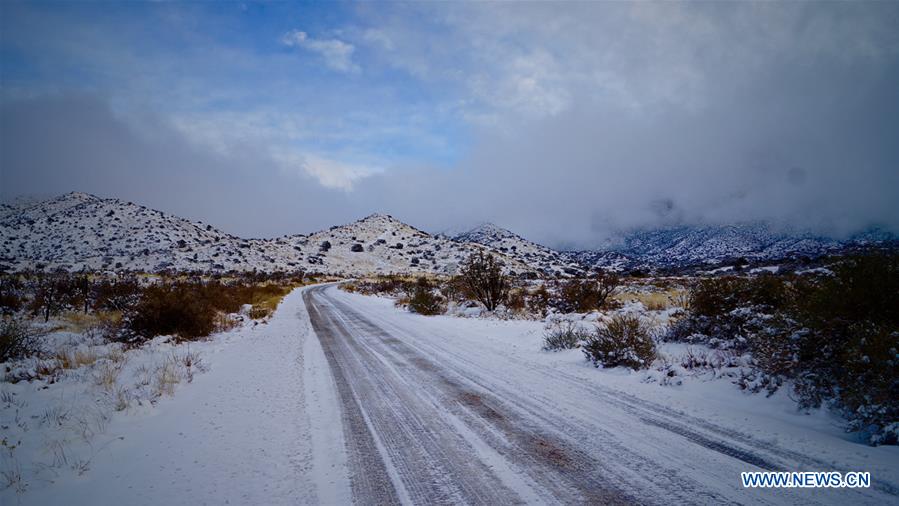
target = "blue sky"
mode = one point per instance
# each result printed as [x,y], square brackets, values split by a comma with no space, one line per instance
[562,121]
[214,63]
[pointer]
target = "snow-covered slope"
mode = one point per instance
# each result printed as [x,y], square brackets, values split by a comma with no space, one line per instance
[380,243]
[540,257]
[78,230]
[714,244]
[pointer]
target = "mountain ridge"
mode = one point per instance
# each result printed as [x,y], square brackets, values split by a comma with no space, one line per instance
[79,230]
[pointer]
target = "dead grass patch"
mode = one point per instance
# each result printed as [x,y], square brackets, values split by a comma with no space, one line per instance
[655,300]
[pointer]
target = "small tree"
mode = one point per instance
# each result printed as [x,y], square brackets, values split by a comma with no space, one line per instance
[606,284]
[50,293]
[83,291]
[484,278]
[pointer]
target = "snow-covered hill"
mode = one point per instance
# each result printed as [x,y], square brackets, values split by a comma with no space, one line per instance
[677,247]
[715,244]
[380,243]
[79,230]
[540,257]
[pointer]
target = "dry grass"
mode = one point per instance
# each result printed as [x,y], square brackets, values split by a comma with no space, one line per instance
[106,375]
[224,322]
[191,362]
[73,359]
[266,302]
[655,300]
[166,379]
[84,323]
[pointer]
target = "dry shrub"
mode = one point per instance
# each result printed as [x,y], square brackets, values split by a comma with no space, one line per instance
[849,350]
[563,335]
[483,277]
[583,295]
[835,336]
[18,338]
[106,374]
[123,397]
[172,309]
[189,309]
[538,299]
[423,300]
[258,313]
[516,300]
[48,370]
[11,294]
[623,341]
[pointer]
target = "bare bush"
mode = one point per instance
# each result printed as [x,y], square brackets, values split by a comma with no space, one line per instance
[623,341]
[582,295]
[18,338]
[563,335]
[484,278]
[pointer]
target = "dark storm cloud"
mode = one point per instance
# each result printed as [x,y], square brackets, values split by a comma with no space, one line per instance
[57,144]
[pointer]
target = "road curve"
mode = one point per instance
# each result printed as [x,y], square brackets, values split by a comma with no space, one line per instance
[431,417]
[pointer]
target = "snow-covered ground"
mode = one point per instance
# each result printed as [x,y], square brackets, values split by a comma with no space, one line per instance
[270,421]
[703,432]
[257,427]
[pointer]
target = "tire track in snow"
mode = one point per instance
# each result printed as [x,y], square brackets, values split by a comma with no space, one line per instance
[544,445]
[401,447]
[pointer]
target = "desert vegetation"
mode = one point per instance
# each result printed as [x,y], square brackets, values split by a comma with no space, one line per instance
[833,337]
[829,337]
[129,308]
[625,340]
[563,335]
[101,343]
[484,279]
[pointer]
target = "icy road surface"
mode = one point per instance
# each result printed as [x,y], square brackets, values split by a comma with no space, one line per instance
[432,415]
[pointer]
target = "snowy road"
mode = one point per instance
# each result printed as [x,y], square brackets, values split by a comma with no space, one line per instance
[342,398]
[435,415]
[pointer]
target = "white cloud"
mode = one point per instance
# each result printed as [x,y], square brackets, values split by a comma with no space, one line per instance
[338,55]
[231,134]
[329,172]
